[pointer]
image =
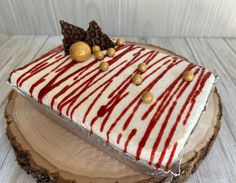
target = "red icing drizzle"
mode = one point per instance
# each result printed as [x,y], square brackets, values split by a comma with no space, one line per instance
[137,98]
[55,50]
[201,81]
[90,78]
[171,156]
[72,96]
[121,91]
[41,80]
[193,99]
[118,138]
[163,105]
[37,68]
[178,92]
[132,133]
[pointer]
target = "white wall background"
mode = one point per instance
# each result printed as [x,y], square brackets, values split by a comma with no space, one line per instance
[197,18]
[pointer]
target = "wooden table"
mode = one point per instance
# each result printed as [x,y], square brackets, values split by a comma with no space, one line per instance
[217,54]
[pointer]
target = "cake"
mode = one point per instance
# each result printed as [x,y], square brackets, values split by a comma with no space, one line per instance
[150,120]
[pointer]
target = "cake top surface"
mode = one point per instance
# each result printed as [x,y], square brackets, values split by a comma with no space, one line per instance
[109,104]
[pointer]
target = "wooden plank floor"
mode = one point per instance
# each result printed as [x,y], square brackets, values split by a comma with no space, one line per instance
[217,54]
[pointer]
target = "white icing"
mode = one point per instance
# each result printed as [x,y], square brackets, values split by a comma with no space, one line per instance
[182,132]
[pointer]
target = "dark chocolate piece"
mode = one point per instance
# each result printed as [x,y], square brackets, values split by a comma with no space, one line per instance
[95,36]
[71,34]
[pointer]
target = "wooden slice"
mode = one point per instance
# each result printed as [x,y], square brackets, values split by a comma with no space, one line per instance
[52,153]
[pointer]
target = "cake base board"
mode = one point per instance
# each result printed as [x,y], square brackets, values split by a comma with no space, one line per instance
[51,153]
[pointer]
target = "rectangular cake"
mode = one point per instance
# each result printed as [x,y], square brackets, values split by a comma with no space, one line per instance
[110,106]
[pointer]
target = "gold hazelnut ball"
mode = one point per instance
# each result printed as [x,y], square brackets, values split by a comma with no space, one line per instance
[80,51]
[120,41]
[142,67]
[137,79]
[147,97]
[111,52]
[188,76]
[104,66]
[95,48]
[99,55]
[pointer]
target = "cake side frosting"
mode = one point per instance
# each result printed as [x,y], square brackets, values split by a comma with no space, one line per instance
[108,104]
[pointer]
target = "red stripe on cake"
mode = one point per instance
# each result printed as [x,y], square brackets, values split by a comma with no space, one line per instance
[55,50]
[131,135]
[160,110]
[137,98]
[118,138]
[177,93]
[201,81]
[171,156]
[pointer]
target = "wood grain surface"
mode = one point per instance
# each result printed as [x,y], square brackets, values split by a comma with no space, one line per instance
[199,18]
[217,54]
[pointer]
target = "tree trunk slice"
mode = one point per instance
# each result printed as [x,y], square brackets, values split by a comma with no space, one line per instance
[52,153]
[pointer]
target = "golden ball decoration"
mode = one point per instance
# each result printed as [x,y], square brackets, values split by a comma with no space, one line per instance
[95,48]
[99,55]
[137,79]
[188,76]
[111,52]
[80,51]
[104,66]
[147,97]
[142,67]
[120,42]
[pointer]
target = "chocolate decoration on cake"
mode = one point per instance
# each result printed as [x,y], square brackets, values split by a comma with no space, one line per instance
[71,34]
[95,36]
